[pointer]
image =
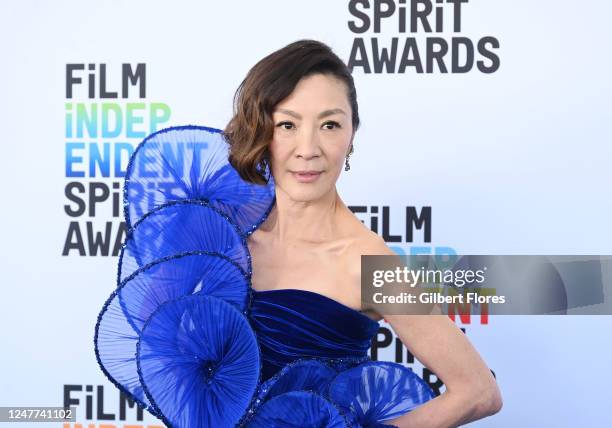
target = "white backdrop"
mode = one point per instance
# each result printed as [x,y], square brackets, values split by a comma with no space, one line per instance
[511,162]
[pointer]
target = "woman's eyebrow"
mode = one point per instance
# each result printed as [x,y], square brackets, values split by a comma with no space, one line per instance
[321,115]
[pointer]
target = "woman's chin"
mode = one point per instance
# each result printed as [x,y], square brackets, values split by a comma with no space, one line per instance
[301,193]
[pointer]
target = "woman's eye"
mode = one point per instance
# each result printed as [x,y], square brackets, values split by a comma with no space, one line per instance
[332,123]
[283,124]
[289,125]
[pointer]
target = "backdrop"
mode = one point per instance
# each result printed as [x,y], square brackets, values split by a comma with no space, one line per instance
[488,119]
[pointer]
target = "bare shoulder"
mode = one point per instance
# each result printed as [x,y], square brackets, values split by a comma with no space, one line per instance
[364,242]
[367,242]
[373,244]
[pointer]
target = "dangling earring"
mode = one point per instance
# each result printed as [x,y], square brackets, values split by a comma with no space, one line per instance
[346,161]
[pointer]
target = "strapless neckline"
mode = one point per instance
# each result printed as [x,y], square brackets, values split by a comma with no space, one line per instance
[317,295]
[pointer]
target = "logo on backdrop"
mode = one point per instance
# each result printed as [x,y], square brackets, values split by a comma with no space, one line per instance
[106,116]
[436,43]
[401,228]
[105,404]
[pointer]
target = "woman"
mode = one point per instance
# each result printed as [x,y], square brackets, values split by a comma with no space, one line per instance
[238,298]
[311,240]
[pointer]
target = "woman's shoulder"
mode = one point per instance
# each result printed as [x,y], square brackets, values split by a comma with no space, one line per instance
[365,241]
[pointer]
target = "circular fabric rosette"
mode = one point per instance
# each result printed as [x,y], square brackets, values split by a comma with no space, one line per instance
[309,392]
[173,335]
[198,362]
[378,391]
[191,163]
[176,228]
[174,338]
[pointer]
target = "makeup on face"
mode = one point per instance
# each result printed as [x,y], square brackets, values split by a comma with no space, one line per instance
[306,176]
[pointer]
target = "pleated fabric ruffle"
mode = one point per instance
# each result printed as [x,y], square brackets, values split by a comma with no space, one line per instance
[366,395]
[176,334]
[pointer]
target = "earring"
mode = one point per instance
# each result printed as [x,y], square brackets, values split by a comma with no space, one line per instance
[346,161]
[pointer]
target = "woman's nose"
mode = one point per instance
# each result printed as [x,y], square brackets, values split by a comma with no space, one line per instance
[308,145]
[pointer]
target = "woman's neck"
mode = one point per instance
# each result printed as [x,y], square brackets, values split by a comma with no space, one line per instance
[314,221]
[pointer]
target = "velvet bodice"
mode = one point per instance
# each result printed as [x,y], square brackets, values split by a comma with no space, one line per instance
[293,323]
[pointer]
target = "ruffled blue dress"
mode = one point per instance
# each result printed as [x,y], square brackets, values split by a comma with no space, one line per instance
[186,337]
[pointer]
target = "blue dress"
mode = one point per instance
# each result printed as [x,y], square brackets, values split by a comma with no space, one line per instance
[186,336]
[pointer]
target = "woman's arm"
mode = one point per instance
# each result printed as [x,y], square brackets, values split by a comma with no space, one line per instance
[471,390]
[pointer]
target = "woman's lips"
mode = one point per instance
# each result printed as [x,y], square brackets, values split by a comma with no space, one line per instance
[306,176]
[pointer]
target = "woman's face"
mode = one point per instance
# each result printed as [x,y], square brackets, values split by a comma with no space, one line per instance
[312,136]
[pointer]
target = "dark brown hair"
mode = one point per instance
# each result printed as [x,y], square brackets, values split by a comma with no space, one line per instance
[270,81]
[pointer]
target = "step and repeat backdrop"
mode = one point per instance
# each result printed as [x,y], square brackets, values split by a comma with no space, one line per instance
[485,130]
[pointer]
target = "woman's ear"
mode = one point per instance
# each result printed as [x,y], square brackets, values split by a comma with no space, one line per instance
[350,150]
